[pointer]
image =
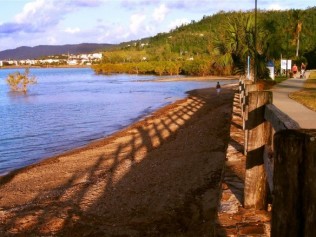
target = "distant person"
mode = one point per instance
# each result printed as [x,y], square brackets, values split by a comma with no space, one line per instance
[303,68]
[218,88]
[294,69]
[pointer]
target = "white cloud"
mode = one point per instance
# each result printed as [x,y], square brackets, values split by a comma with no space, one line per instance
[72,30]
[160,12]
[43,15]
[29,9]
[274,7]
[40,13]
[136,22]
[178,22]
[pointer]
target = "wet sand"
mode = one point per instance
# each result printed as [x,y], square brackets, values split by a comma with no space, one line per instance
[158,177]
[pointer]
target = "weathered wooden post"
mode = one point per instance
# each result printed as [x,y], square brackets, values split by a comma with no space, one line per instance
[258,133]
[244,106]
[240,82]
[244,109]
[294,179]
[243,88]
[279,121]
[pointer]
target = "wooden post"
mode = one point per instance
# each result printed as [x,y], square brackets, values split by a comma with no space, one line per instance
[240,84]
[294,179]
[258,132]
[279,121]
[243,88]
[244,109]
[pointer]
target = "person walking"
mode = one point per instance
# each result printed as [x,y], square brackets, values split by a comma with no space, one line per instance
[294,70]
[218,88]
[303,68]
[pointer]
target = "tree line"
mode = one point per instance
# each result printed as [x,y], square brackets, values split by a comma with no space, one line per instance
[220,45]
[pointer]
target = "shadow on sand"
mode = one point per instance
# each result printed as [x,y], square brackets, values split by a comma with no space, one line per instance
[159,177]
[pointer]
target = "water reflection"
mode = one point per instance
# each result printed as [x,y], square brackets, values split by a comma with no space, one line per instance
[20,97]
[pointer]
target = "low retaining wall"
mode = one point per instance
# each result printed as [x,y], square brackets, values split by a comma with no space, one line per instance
[281,160]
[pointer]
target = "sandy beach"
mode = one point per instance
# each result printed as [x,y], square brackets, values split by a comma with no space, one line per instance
[158,177]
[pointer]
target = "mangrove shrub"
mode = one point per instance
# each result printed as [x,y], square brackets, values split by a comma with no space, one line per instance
[20,81]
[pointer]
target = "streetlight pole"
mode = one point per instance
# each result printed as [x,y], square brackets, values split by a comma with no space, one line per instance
[255,45]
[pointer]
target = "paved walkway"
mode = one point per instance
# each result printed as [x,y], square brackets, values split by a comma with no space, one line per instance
[305,117]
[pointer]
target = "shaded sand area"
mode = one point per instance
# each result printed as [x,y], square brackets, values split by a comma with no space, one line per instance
[158,177]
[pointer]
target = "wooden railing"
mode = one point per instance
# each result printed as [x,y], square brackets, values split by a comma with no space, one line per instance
[280,159]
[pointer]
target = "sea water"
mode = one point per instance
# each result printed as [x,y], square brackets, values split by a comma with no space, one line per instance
[70,107]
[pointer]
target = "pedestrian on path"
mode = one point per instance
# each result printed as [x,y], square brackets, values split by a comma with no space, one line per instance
[303,68]
[218,88]
[294,70]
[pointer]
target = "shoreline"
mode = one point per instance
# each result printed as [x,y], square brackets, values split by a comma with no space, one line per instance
[140,180]
[165,78]
[197,78]
[103,140]
[190,78]
[7,168]
[43,67]
[94,143]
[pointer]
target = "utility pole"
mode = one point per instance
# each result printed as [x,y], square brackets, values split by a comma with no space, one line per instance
[298,31]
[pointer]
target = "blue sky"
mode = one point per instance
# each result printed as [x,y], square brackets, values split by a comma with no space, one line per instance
[56,22]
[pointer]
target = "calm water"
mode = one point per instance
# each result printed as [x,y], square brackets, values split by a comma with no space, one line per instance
[70,107]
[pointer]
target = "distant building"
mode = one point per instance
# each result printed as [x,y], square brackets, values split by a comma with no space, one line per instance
[97,56]
[72,62]
[1,64]
[12,62]
[84,57]
[27,62]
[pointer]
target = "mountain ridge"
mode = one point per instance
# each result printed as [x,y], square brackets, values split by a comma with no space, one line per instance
[26,52]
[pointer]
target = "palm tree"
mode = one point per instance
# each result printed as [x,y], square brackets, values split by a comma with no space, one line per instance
[236,43]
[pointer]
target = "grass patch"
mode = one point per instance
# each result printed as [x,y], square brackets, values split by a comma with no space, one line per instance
[307,96]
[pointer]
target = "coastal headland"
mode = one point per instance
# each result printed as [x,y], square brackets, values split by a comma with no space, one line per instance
[158,177]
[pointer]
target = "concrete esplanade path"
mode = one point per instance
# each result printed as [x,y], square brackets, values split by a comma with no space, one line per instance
[305,117]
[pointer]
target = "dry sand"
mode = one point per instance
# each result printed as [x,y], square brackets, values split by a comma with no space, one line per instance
[158,177]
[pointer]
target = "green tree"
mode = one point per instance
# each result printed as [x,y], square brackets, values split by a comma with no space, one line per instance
[236,43]
[20,81]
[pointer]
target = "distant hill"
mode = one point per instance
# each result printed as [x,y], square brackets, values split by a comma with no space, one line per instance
[46,50]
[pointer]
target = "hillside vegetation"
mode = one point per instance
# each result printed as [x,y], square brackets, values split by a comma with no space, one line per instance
[220,45]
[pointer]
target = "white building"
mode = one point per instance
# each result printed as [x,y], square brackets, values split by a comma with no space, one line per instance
[12,62]
[49,61]
[97,56]
[72,62]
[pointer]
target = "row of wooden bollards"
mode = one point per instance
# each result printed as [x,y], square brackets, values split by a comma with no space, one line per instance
[281,158]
